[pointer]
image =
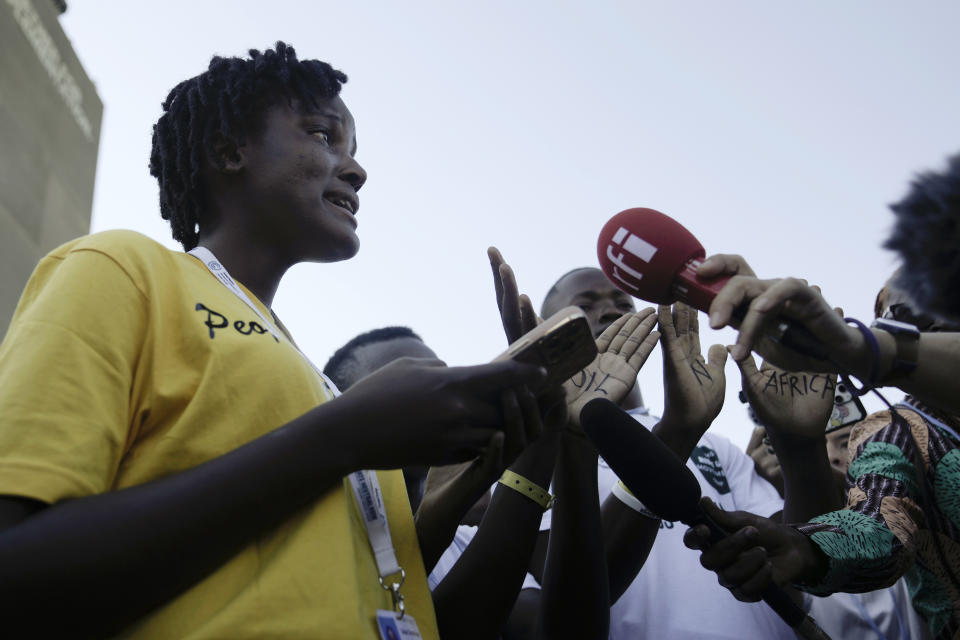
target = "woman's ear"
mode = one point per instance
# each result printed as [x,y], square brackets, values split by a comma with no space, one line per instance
[228,154]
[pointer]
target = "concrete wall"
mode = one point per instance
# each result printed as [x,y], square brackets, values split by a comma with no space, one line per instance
[49,133]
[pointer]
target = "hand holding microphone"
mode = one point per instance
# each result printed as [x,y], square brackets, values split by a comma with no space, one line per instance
[657,477]
[768,302]
[651,256]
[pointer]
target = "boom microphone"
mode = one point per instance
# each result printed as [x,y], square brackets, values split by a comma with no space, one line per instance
[657,477]
[653,257]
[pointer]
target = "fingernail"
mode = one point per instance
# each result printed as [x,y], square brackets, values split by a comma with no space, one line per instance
[737,352]
[715,320]
[762,304]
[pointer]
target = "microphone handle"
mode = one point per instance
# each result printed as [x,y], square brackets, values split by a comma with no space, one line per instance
[775,597]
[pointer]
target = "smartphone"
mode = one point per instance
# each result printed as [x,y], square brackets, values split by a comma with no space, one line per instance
[562,344]
[847,409]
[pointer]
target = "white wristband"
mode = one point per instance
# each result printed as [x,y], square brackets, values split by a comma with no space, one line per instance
[623,495]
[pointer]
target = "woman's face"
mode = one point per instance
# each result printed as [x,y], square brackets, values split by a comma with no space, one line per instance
[300,181]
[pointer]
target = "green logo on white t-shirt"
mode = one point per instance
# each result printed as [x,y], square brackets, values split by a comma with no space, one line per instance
[709,464]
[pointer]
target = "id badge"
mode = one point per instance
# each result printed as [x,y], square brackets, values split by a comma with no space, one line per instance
[392,627]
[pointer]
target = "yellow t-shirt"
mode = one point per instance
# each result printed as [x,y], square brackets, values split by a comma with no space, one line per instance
[126,362]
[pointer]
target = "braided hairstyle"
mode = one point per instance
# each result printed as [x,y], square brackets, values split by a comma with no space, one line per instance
[227,101]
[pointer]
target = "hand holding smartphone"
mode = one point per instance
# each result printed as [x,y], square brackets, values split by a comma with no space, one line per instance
[562,344]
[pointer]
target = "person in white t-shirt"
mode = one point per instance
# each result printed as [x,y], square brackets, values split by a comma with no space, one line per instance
[660,590]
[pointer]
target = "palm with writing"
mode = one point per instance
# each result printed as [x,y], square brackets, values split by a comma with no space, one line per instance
[693,387]
[622,349]
[789,402]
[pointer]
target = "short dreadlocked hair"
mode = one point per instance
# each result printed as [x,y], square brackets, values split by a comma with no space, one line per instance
[226,101]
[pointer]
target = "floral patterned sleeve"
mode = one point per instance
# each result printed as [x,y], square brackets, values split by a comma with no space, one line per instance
[884,533]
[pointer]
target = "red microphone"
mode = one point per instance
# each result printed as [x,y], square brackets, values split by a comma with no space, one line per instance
[653,257]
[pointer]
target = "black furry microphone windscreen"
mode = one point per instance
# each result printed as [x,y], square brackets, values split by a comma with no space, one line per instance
[926,236]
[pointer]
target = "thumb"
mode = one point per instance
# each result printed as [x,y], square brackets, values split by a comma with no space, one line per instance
[717,356]
[729,520]
[490,462]
[748,369]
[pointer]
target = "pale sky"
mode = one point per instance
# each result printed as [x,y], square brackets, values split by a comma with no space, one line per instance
[780,131]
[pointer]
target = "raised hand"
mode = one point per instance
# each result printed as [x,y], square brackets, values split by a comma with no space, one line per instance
[622,348]
[693,387]
[518,317]
[516,310]
[791,403]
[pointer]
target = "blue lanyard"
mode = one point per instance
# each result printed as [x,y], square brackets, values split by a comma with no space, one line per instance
[873,625]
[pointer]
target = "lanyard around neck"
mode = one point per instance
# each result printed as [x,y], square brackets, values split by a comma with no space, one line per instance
[366,487]
[210,261]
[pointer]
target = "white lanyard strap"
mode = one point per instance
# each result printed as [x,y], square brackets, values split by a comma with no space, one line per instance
[366,487]
[206,256]
[366,490]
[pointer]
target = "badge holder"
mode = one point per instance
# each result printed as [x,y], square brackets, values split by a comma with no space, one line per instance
[395,595]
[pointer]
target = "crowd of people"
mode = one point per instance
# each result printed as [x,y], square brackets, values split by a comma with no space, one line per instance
[173,466]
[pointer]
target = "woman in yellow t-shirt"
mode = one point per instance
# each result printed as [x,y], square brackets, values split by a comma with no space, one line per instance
[170,464]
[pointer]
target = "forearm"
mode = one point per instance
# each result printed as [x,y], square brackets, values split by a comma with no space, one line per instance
[680,438]
[575,578]
[522,623]
[108,559]
[492,568]
[809,482]
[628,538]
[938,358]
[934,380]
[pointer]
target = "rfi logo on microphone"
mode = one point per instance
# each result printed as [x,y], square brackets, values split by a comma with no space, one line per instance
[635,246]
